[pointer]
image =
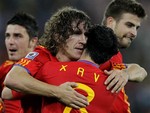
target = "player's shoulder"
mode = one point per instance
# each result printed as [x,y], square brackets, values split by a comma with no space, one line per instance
[38,53]
[7,63]
[117,58]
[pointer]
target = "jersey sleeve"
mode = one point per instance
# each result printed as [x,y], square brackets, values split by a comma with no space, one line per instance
[4,69]
[115,62]
[121,104]
[35,60]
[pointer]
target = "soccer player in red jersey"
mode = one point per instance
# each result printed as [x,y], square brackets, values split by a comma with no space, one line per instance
[101,46]
[20,38]
[124,17]
[30,85]
[63,39]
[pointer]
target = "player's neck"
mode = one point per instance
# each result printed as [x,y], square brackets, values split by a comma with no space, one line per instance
[86,57]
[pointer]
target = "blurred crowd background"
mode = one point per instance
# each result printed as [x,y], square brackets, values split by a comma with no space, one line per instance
[139,52]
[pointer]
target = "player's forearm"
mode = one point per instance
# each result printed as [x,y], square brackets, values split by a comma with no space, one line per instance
[23,82]
[136,72]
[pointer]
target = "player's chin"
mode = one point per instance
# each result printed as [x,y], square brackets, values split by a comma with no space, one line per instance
[126,43]
[14,58]
[77,56]
[125,46]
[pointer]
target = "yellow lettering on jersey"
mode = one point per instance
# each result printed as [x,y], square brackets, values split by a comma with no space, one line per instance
[90,97]
[1,106]
[96,77]
[24,62]
[80,71]
[7,63]
[63,68]
[27,62]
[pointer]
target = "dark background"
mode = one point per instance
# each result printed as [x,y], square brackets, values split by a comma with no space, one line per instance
[139,93]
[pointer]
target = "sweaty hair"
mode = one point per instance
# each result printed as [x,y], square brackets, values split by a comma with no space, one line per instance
[27,21]
[59,27]
[116,8]
[101,44]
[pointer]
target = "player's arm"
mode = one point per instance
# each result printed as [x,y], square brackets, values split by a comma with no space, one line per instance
[136,72]
[117,79]
[19,80]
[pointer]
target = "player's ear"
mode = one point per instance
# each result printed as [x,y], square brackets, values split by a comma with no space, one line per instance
[33,42]
[110,22]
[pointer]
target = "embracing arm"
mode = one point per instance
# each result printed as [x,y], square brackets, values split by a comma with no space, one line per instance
[117,79]
[136,72]
[19,80]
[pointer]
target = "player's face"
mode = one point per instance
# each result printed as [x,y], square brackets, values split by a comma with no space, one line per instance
[74,46]
[17,42]
[126,29]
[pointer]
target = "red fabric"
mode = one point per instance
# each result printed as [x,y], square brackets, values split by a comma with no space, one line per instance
[32,103]
[91,84]
[117,59]
[33,65]
[121,104]
[17,95]
[4,68]
[11,106]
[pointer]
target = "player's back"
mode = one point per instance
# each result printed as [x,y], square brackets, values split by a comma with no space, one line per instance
[90,81]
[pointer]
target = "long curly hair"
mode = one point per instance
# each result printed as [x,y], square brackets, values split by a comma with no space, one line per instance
[59,27]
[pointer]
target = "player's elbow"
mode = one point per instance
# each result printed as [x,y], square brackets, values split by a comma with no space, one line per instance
[143,74]
[6,93]
[9,82]
[137,73]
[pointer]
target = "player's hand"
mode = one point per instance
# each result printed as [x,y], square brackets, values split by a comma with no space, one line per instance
[116,80]
[70,97]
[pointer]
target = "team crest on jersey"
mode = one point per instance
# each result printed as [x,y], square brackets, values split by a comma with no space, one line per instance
[32,55]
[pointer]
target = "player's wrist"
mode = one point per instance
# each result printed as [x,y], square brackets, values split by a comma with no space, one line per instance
[127,74]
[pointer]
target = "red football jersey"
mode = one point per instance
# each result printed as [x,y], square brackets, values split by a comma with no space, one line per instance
[121,104]
[4,69]
[11,106]
[90,81]
[116,59]
[32,63]
[34,60]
